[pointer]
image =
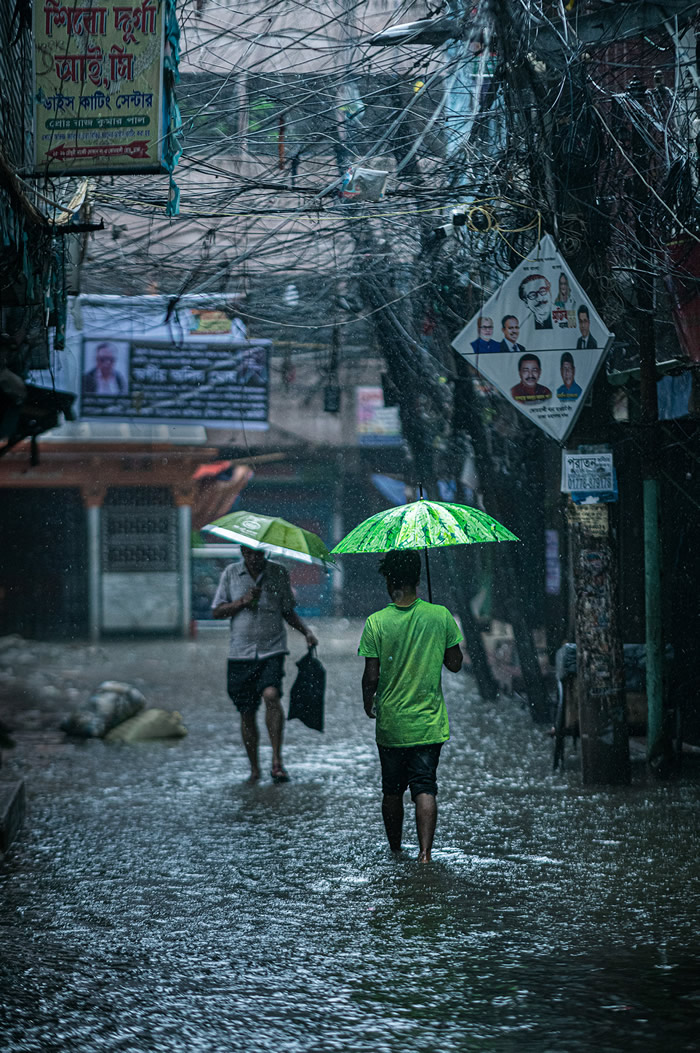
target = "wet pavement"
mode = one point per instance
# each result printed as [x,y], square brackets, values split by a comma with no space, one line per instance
[153,901]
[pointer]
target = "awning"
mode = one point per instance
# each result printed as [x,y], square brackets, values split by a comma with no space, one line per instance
[40,410]
[216,487]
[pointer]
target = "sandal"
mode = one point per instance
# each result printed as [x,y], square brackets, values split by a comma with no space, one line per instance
[279,774]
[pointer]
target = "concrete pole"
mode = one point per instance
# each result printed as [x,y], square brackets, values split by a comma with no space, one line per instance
[649,420]
[337,575]
[184,530]
[654,638]
[94,571]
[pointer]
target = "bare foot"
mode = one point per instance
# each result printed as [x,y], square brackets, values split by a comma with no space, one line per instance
[253,777]
[424,857]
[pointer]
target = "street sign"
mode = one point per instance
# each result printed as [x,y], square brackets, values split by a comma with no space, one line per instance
[98,74]
[539,341]
[592,472]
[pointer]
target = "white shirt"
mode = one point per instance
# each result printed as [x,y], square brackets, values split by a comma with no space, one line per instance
[106,385]
[260,632]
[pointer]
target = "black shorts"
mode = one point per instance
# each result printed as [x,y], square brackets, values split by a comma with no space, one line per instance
[248,679]
[414,766]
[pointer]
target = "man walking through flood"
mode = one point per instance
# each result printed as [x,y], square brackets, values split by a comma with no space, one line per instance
[257,596]
[405,646]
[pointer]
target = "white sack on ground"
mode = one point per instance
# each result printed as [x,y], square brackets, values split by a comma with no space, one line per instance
[109,705]
[150,724]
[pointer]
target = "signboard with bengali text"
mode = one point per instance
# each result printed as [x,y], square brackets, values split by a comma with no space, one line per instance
[98,68]
[591,472]
[539,341]
[201,382]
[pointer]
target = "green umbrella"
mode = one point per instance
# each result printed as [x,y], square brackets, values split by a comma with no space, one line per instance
[423,524]
[276,536]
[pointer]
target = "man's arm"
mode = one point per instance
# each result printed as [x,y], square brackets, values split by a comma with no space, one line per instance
[453,658]
[293,619]
[370,680]
[230,610]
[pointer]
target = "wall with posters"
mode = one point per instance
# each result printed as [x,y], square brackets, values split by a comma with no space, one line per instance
[128,360]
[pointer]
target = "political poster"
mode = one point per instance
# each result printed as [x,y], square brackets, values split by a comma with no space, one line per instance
[539,341]
[201,381]
[377,424]
[132,360]
[98,67]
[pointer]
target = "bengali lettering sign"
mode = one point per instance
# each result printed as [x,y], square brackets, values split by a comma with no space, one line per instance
[211,383]
[97,85]
[590,472]
[592,519]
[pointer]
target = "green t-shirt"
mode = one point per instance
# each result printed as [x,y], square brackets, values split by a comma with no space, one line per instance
[410,643]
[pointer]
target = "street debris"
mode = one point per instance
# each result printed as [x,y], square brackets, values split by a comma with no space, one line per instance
[109,705]
[149,724]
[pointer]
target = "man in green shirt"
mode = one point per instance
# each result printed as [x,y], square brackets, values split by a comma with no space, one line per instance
[405,647]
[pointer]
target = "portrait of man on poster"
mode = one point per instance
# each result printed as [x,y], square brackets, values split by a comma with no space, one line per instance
[529,389]
[536,293]
[511,332]
[586,341]
[107,371]
[569,390]
[485,344]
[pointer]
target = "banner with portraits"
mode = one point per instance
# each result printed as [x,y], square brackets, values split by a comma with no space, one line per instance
[539,341]
[136,360]
[218,383]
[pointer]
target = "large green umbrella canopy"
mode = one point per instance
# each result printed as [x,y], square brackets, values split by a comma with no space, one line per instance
[423,525]
[273,534]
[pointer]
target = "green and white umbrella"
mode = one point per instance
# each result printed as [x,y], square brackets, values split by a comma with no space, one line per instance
[423,525]
[274,535]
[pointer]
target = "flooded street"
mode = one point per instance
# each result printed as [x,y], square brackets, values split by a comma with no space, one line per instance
[154,901]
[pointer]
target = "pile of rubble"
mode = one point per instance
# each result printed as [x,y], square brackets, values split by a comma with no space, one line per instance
[33,699]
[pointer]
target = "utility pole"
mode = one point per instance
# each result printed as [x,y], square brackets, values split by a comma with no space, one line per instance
[649,438]
[600,674]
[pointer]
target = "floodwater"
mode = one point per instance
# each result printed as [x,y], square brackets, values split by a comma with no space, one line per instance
[156,902]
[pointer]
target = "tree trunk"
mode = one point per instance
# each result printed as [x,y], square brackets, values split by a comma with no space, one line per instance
[470,420]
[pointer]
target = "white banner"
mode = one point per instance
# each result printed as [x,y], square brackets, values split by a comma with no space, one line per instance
[539,341]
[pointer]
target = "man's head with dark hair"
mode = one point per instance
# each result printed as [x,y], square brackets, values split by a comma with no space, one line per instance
[535,292]
[529,357]
[511,328]
[568,369]
[401,568]
[530,369]
[584,321]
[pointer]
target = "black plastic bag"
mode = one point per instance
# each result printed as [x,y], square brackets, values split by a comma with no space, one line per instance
[308,690]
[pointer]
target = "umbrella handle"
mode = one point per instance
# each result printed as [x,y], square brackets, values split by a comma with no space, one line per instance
[427,574]
[427,563]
